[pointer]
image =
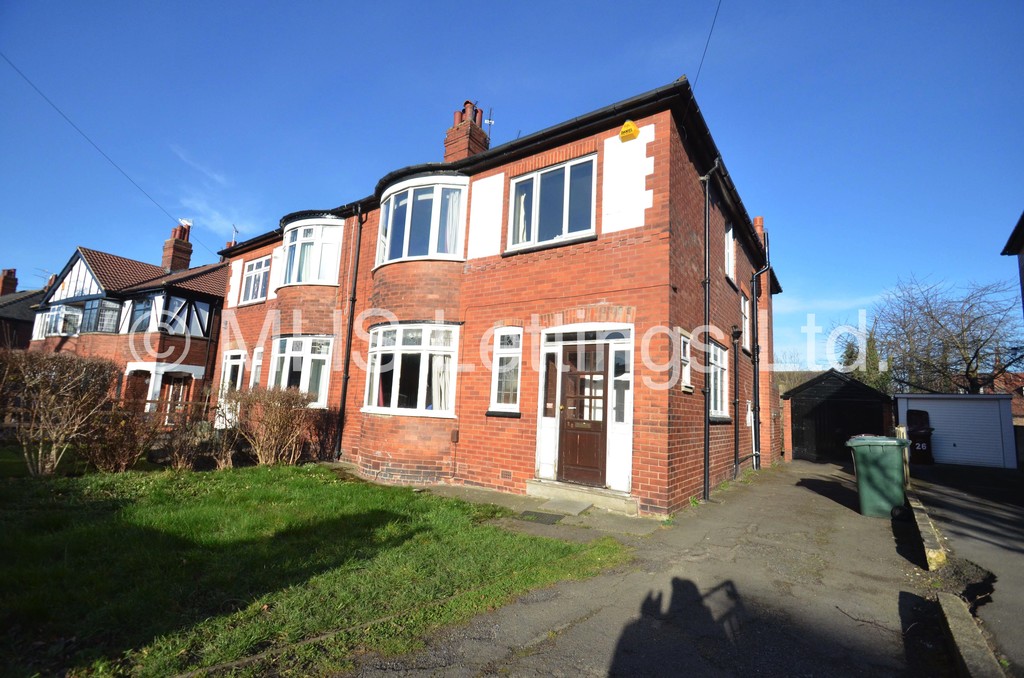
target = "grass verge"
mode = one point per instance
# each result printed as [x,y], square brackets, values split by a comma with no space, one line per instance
[164,573]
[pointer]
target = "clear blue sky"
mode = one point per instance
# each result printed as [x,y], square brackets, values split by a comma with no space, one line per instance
[876,138]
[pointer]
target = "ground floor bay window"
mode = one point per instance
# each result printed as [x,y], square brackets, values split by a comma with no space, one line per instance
[302,363]
[411,369]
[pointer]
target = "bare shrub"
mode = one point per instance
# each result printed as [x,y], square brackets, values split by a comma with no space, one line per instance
[119,437]
[189,435]
[54,398]
[222,446]
[274,422]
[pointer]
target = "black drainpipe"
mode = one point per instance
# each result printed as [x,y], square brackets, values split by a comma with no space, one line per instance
[736,334]
[360,220]
[755,291]
[706,284]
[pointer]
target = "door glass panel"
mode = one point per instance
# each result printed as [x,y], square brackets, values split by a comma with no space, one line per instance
[550,382]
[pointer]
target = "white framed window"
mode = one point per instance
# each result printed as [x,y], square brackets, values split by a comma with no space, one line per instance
[552,204]
[685,369]
[745,319]
[63,321]
[730,252]
[311,252]
[411,370]
[422,219]
[231,377]
[255,280]
[506,369]
[302,363]
[257,368]
[718,379]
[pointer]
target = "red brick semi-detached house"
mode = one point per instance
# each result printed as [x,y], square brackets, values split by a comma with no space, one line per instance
[158,323]
[528,317]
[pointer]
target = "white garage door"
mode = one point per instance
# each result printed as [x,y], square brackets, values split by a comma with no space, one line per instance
[966,432]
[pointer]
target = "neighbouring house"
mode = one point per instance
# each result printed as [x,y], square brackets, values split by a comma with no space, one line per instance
[1015,248]
[825,411]
[16,313]
[159,323]
[528,317]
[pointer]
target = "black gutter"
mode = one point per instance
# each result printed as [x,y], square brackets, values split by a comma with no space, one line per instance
[360,220]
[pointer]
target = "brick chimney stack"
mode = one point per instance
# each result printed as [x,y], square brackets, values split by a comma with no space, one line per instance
[8,281]
[466,137]
[759,227]
[177,248]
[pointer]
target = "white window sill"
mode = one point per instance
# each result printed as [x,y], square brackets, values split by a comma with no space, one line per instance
[312,283]
[399,412]
[251,302]
[582,236]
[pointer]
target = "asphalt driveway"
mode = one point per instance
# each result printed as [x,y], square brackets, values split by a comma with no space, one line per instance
[778,577]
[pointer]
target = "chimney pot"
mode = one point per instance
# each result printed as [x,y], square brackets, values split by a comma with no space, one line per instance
[177,254]
[466,137]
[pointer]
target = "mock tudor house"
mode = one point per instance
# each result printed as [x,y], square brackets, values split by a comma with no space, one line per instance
[159,323]
[529,317]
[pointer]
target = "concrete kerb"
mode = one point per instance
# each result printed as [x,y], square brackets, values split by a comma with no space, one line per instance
[934,551]
[974,656]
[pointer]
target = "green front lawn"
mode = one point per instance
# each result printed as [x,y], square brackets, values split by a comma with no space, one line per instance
[160,573]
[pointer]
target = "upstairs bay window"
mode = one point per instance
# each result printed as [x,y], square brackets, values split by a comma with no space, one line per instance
[142,309]
[302,363]
[311,252]
[422,219]
[411,370]
[553,204]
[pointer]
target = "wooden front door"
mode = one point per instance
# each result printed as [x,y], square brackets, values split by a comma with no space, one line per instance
[583,424]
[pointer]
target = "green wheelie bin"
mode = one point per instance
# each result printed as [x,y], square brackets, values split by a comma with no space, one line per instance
[878,463]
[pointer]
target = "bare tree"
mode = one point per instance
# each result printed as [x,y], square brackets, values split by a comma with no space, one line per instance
[940,338]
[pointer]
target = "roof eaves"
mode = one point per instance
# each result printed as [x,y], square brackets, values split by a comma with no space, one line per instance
[1016,241]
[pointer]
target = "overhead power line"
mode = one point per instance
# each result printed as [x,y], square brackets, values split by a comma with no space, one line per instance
[94,145]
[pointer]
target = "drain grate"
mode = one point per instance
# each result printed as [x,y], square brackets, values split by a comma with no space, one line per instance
[538,517]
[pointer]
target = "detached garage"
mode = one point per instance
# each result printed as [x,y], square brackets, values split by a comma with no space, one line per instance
[969,430]
[823,413]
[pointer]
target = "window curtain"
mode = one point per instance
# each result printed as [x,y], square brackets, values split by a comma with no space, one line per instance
[451,225]
[440,365]
[520,217]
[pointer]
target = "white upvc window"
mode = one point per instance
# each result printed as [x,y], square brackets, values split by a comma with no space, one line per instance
[730,252]
[745,319]
[506,369]
[718,379]
[411,370]
[63,321]
[257,368]
[312,250]
[231,376]
[555,203]
[685,369]
[255,280]
[422,218]
[302,363]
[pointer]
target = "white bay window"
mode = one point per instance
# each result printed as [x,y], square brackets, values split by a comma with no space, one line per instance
[311,253]
[411,369]
[422,219]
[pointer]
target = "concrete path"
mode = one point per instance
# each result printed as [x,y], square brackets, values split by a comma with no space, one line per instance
[779,577]
[980,513]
